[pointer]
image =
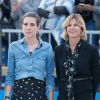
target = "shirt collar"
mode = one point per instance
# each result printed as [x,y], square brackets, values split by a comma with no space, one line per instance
[21,41]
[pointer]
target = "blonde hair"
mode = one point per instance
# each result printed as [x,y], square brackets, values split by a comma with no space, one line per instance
[79,21]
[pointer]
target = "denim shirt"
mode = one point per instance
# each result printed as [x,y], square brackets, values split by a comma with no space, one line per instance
[40,64]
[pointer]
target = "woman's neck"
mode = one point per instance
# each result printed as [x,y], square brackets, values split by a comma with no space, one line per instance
[31,41]
[73,43]
[32,44]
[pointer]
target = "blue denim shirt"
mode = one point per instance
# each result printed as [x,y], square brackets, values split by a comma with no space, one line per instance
[39,65]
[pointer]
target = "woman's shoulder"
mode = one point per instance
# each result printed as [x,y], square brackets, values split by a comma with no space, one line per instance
[16,42]
[45,45]
[59,48]
[89,46]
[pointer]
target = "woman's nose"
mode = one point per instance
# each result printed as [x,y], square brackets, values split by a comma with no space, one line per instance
[28,26]
[71,26]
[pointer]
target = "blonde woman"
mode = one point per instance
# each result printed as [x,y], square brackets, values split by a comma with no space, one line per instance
[77,62]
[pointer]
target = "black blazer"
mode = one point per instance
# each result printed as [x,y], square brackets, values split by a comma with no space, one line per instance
[87,65]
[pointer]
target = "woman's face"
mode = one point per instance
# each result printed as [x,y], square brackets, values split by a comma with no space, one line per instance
[30,27]
[73,29]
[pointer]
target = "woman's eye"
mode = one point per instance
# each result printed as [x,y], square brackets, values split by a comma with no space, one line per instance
[76,25]
[72,25]
[69,25]
[25,24]
[32,24]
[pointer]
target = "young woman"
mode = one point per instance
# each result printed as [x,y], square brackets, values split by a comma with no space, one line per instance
[30,64]
[77,63]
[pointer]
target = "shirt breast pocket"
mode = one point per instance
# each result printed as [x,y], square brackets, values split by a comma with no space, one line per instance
[39,62]
[21,60]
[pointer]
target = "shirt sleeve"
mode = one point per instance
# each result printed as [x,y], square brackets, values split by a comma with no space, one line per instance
[10,64]
[50,83]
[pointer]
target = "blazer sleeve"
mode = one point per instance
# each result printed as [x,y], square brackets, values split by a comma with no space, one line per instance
[95,69]
[57,66]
